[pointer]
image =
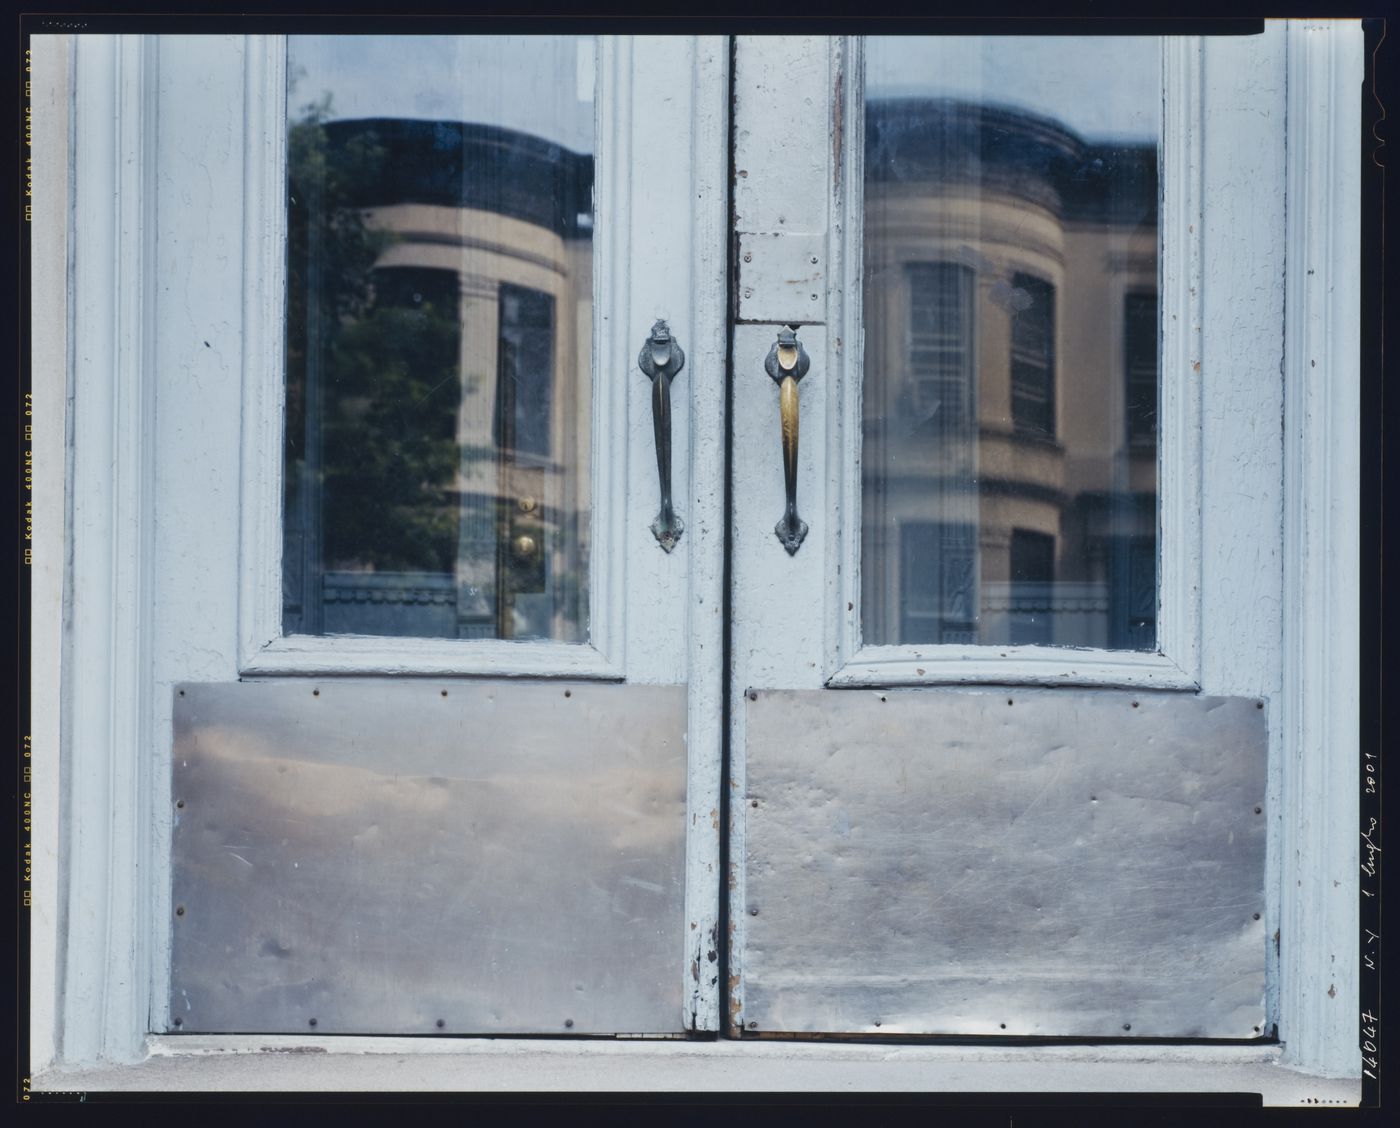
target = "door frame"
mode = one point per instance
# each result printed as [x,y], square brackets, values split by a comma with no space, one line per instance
[92,592]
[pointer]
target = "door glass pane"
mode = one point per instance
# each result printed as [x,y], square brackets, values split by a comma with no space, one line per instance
[1011,341]
[439,336]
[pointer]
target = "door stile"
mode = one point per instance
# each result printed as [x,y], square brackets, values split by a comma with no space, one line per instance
[707,611]
[790,138]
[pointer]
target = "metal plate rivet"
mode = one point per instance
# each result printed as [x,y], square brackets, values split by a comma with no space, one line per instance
[315,693]
[1135,704]
[180,804]
[181,1022]
[1127,1026]
[568,1022]
[441,1023]
[311,1021]
[568,693]
[753,1025]
[753,695]
[1256,916]
[753,912]
[1258,810]
[753,802]
[444,693]
[179,910]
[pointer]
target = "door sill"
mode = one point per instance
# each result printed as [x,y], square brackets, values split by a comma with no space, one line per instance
[280,1063]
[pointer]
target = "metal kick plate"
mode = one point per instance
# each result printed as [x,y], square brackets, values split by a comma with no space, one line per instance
[1004,862]
[428,857]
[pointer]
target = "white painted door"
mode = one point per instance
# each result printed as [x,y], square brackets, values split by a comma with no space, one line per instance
[927,709]
[1001,720]
[409,672]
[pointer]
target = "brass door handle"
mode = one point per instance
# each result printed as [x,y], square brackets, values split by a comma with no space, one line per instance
[787,363]
[661,359]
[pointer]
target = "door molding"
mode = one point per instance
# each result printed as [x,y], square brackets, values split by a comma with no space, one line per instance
[50,65]
[1319,762]
[106,925]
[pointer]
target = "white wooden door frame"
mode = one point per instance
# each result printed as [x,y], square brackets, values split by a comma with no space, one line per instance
[99,780]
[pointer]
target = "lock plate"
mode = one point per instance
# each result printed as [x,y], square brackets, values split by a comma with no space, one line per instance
[782,277]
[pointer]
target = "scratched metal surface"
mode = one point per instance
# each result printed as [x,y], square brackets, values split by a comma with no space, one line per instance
[384,859]
[945,862]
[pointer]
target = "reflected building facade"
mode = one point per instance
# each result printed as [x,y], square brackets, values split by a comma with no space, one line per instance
[1010,380]
[439,378]
[439,381]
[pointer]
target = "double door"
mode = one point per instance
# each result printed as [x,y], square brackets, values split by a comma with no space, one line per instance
[735,560]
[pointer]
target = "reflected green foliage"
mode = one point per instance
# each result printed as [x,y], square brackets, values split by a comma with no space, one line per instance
[390,441]
[372,368]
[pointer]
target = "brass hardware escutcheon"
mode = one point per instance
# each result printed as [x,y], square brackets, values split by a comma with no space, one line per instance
[661,359]
[524,545]
[787,363]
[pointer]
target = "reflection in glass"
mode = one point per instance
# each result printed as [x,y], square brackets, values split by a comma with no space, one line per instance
[1011,342]
[439,336]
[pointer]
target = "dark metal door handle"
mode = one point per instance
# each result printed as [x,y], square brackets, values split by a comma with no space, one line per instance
[787,363]
[661,359]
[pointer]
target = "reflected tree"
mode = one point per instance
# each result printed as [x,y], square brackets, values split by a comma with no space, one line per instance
[373,369]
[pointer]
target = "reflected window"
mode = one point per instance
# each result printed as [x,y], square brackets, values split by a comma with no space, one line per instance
[1140,366]
[439,336]
[525,353]
[939,578]
[1032,582]
[1033,356]
[1010,368]
[940,343]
